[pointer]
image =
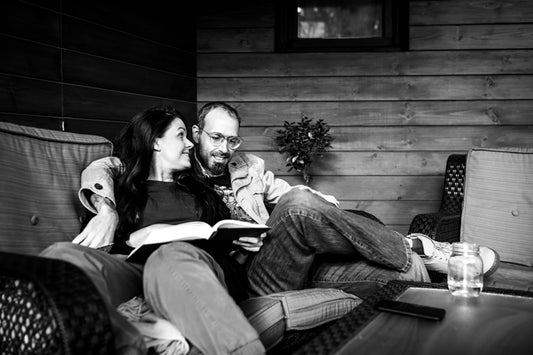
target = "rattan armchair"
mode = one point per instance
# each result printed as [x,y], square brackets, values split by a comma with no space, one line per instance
[445,225]
[50,307]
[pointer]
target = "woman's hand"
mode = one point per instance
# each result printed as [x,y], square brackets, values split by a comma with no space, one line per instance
[251,244]
[100,231]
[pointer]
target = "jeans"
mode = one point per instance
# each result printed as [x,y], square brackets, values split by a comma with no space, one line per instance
[181,282]
[312,243]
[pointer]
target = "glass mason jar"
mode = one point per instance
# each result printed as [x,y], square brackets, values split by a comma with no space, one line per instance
[465,270]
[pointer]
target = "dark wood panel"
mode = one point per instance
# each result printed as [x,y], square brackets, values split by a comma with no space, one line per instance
[334,164]
[348,64]
[33,120]
[404,188]
[99,72]
[471,37]
[107,129]
[170,22]
[83,102]
[469,12]
[241,13]
[103,41]
[433,138]
[235,40]
[22,95]
[366,88]
[389,113]
[29,59]
[49,4]
[511,36]
[30,22]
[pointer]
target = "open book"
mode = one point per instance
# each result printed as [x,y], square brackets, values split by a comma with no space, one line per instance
[222,233]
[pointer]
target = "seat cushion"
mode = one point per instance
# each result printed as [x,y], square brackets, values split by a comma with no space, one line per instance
[39,180]
[498,202]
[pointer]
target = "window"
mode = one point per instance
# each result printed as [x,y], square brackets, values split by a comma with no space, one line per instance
[342,25]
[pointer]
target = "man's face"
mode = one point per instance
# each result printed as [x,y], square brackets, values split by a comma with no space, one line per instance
[215,159]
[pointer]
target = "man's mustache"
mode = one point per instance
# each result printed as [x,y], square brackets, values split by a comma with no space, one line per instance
[220,155]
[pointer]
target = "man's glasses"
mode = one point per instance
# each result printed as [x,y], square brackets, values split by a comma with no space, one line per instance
[217,139]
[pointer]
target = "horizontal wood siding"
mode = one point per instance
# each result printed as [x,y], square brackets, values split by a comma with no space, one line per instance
[89,66]
[466,81]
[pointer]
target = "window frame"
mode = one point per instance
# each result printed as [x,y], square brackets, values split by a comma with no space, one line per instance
[395,25]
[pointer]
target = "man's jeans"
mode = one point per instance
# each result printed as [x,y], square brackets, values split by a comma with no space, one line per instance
[312,243]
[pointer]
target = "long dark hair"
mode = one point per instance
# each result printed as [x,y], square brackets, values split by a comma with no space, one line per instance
[135,149]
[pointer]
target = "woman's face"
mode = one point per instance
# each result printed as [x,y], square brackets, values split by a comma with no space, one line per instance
[171,151]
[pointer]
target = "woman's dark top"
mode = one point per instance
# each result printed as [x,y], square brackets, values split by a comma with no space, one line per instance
[171,205]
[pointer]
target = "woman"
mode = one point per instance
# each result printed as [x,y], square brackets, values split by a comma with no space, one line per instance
[185,283]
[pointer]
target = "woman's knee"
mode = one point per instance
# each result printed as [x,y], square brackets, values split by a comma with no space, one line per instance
[178,256]
[81,256]
[61,248]
[177,251]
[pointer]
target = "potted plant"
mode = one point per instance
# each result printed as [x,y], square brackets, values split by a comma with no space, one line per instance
[303,141]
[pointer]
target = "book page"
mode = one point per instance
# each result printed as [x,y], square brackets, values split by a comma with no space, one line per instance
[231,223]
[183,231]
[221,235]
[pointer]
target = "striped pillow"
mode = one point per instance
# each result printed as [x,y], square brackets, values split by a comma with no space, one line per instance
[274,314]
[498,202]
[39,179]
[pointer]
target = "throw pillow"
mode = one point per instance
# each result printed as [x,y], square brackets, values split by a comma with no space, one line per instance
[498,202]
[273,314]
[39,180]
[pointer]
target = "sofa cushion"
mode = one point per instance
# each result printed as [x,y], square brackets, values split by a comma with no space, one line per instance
[273,314]
[498,202]
[39,180]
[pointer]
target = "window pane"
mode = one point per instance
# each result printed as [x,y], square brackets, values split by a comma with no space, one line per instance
[340,19]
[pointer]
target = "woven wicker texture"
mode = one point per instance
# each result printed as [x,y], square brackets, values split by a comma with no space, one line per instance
[50,307]
[445,225]
[454,182]
[28,324]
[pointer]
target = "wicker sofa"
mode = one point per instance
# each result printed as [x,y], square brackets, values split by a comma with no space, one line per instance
[46,305]
[50,306]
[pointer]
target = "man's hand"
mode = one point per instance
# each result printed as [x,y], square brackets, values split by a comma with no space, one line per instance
[251,244]
[100,231]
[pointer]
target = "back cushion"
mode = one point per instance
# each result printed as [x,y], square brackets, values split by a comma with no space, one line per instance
[39,179]
[498,202]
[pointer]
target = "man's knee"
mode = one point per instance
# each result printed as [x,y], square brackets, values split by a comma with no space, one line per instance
[298,196]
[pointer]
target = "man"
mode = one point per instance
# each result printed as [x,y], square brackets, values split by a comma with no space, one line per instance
[312,242]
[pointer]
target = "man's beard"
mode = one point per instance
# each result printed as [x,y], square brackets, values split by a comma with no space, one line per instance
[217,168]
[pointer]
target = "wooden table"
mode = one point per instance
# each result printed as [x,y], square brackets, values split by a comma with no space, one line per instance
[497,322]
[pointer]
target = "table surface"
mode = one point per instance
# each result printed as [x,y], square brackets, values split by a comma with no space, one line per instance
[497,322]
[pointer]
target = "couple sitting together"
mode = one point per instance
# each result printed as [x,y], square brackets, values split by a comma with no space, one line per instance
[159,177]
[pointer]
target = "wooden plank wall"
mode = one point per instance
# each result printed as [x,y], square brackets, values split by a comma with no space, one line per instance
[466,81]
[88,66]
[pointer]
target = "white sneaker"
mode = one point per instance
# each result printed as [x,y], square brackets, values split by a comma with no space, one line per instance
[436,255]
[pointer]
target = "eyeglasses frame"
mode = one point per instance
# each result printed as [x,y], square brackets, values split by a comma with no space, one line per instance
[227,139]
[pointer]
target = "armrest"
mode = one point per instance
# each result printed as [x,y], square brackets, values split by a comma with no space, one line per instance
[50,305]
[438,226]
